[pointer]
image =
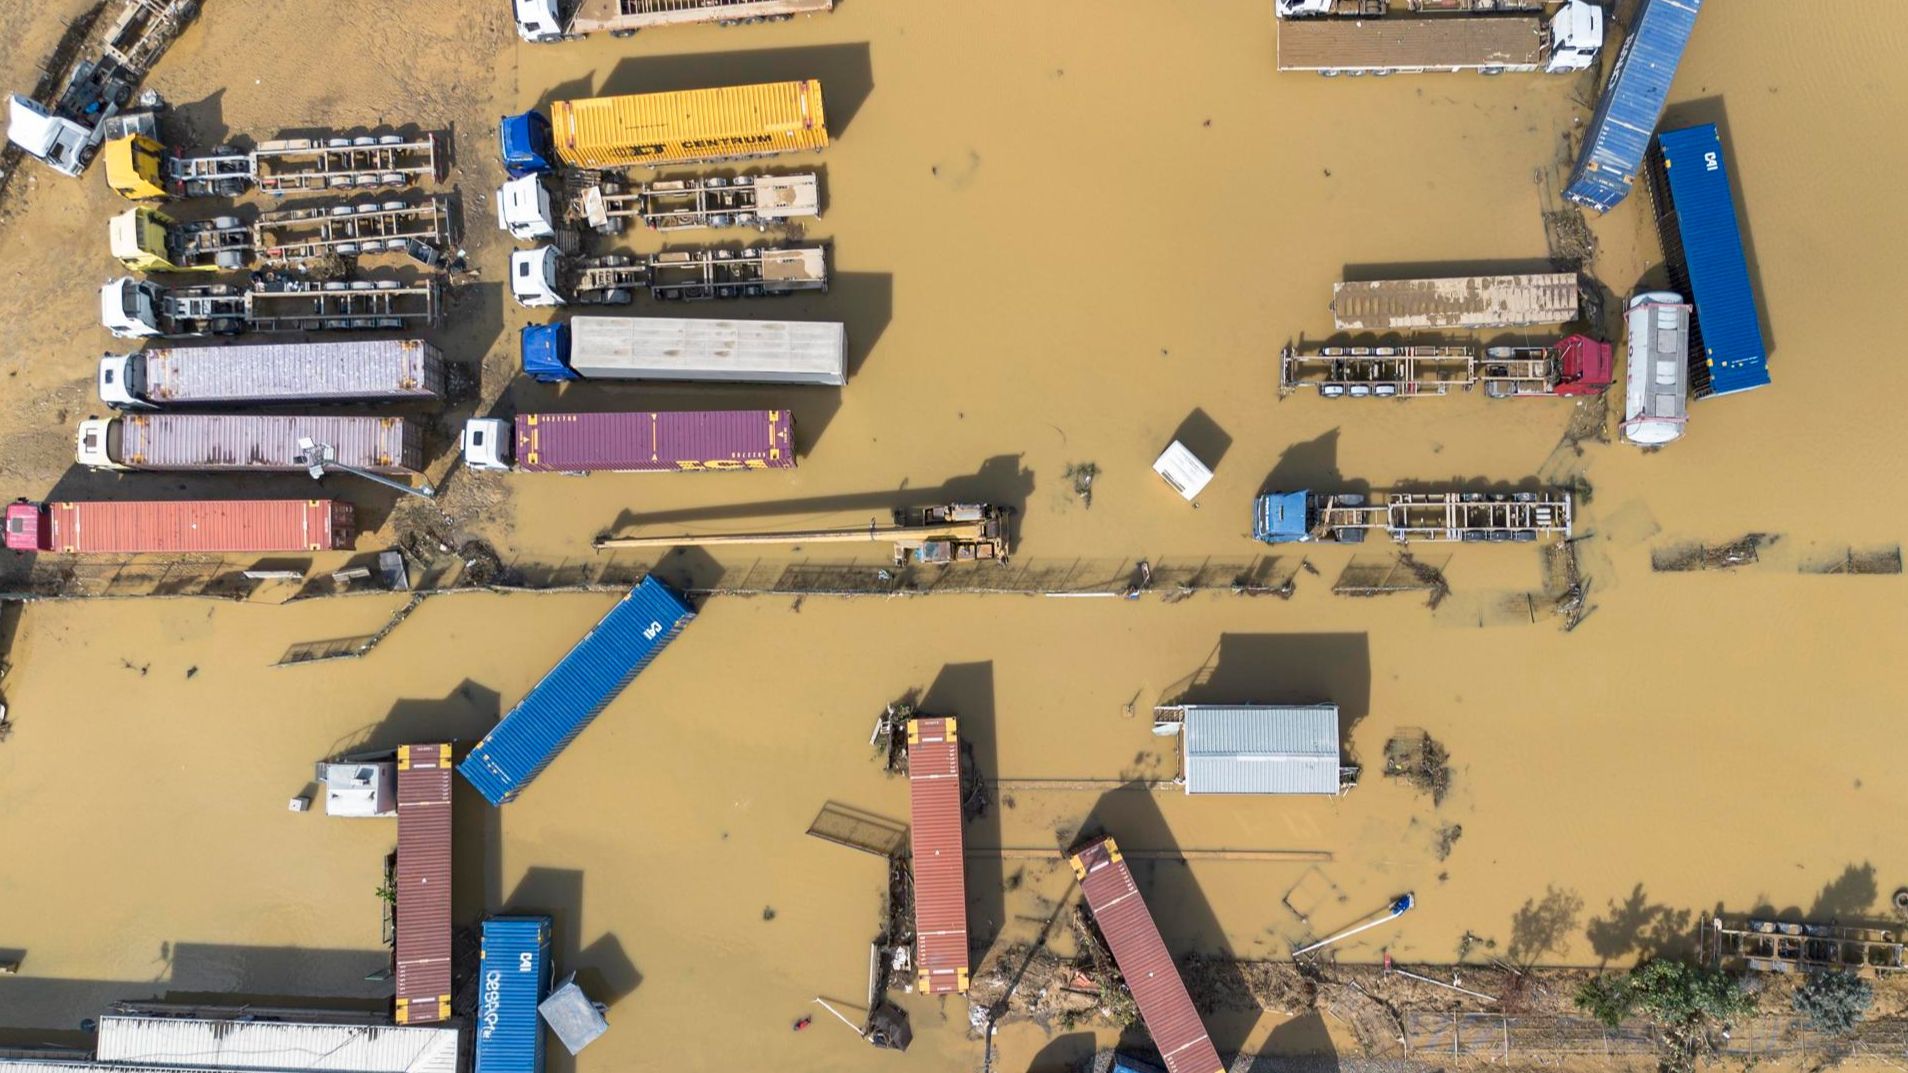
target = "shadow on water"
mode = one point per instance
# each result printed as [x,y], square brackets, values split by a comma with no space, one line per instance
[966,691]
[1285,668]
[1067,1053]
[845,71]
[1712,110]
[1543,925]
[1306,1036]
[1185,918]
[1849,899]
[1311,465]
[464,715]
[1515,266]
[1203,437]
[1640,929]
[603,970]
[1001,480]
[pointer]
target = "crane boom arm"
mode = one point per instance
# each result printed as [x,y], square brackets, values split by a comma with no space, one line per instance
[871,533]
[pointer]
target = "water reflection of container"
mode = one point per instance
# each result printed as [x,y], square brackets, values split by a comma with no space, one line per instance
[1656,373]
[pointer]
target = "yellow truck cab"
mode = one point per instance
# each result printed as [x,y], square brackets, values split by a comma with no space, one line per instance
[135,167]
[147,240]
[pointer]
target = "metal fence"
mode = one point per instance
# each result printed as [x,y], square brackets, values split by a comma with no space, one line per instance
[1499,1036]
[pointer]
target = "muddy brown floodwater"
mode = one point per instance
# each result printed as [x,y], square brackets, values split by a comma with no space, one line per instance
[1059,232]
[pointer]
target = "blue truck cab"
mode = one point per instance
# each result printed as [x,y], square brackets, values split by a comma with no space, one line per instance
[1282,518]
[525,143]
[545,349]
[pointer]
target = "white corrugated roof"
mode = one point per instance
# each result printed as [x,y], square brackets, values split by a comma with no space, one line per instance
[1249,749]
[290,1046]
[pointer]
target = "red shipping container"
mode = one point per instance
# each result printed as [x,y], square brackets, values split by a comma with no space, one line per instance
[423,884]
[1141,954]
[123,527]
[649,442]
[940,867]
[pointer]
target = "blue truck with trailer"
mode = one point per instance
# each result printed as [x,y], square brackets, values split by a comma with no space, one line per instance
[1632,103]
[1702,244]
[525,142]
[580,686]
[513,979]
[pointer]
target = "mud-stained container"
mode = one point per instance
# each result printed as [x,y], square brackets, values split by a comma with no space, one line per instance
[940,865]
[125,527]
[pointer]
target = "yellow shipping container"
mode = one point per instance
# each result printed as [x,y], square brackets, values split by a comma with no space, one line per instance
[690,126]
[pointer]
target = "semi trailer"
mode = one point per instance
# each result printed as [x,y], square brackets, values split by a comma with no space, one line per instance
[1632,103]
[605,205]
[66,134]
[547,277]
[1372,9]
[635,442]
[1563,42]
[565,20]
[1576,365]
[1412,517]
[1656,368]
[206,526]
[182,377]
[142,168]
[684,349]
[248,442]
[1459,302]
[694,126]
[931,535]
[141,309]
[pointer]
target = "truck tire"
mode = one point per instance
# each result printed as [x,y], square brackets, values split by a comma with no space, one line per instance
[622,34]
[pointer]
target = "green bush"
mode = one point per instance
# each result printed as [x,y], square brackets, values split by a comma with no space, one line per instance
[1834,1001]
[1670,993]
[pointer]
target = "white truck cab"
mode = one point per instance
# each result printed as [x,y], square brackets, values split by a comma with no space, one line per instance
[538,20]
[93,444]
[533,278]
[486,444]
[122,382]
[523,209]
[128,308]
[64,145]
[1575,36]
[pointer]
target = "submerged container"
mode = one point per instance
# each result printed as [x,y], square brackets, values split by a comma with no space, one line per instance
[1632,103]
[215,442]
[513,979]
[1702,242]
[333,371]
[1456,302]
[128,527]
[575,691]
[655,442]
[690,126]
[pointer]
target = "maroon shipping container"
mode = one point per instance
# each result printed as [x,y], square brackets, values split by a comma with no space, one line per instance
[683,441]
[1141,954]
[940,868]
[231,525]
[423,884]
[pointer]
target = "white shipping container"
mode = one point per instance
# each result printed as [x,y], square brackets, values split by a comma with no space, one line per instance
[250,442]
[733,351]
[331,371]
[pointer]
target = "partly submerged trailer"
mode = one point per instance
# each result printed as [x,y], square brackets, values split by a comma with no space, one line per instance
[938,855]
[247,442]
[1632,103]
[512,978]
[1495,44]
[560,20]
[1656,373]
[1573,366]
[141,309]
[1412,517]
[133,527]
[646,441]
[687,349]
[548,277]
[1702,243]
[423,884]
[1120,913]
[1456,302]
[576,690]
[181,377]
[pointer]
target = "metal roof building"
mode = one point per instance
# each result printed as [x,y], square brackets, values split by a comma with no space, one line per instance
[195,1043]
[1259,749]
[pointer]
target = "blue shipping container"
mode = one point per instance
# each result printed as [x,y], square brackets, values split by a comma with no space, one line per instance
[1702,241]
[515,977]
[1619,133]
[582,684]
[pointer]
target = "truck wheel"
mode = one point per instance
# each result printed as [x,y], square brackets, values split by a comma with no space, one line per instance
[621,34]
[1328,73]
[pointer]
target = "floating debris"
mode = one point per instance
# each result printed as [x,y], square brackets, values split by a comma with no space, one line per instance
[1688,557]
[1080,475]
[1416,757]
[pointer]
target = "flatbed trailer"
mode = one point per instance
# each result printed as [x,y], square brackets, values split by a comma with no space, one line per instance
[1373,9]
[1412,517]
[145,29]
[559,20]
[141,168]
[288,236]
[1575,365]
[759,201]
[141,309]
[1456,302]
[547,277]
[933,535]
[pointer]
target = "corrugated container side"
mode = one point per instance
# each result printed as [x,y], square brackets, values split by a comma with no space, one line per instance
[1632,103]
[194,1043]
[514,978]
[579,687]
[333,370]
[1330,44]
[939,856]
[728,351]
[1141,955]
[1702,244]
[423,884]
[1456,302]
[255,441]
[240,525]
[687,126]
[653,442]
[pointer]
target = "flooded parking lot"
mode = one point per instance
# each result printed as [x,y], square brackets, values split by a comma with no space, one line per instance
[1056,237]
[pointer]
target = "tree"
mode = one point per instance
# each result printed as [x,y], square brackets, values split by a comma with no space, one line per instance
[1679,998]
[1834,1001]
